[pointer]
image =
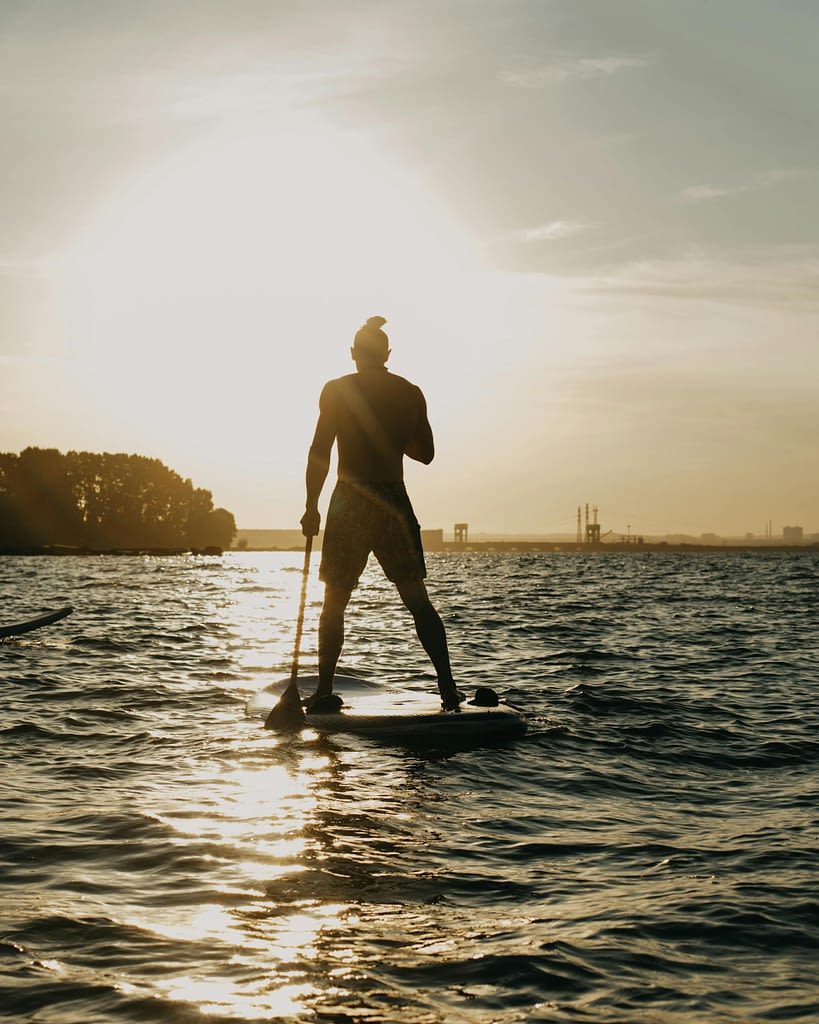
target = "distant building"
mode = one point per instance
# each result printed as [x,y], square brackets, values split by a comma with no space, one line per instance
[432,540]
[792,534]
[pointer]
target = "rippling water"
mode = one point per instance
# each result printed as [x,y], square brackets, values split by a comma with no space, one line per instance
[648,852]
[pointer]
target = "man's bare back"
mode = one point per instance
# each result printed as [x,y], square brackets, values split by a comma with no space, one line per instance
[376,418]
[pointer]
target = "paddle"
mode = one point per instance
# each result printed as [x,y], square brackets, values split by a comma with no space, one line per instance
[288,714]
[16,628]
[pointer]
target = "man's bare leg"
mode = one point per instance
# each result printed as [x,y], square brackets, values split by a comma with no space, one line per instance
[432,635]
[330,639]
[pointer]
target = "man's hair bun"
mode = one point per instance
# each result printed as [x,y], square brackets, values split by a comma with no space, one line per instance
[370,339]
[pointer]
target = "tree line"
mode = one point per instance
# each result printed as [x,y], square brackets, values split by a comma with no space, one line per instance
[103,502]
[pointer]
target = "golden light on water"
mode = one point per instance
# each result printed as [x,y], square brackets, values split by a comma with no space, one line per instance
[220,995]
[264,922]
[262,613]
[260,815]
[248,935]
[211,922]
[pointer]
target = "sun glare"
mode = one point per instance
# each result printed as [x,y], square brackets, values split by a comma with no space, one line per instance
[257,249]
[217,291]
[278,217]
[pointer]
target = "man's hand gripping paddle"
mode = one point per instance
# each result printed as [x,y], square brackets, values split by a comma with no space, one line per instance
[288,714]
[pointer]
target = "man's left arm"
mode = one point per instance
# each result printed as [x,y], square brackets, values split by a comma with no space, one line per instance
[421,446]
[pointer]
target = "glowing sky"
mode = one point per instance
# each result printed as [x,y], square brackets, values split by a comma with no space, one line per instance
[592,226]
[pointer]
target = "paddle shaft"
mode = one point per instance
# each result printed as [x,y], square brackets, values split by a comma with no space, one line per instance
[305,573]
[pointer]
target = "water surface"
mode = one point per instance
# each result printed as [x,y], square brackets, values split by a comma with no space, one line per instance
[647,852]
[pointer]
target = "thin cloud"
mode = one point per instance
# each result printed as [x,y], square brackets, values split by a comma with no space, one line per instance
[554,231]
[774,177]
[768,276]
[251,93]
[703,193]
[763,180]
[567,69]
[261,89]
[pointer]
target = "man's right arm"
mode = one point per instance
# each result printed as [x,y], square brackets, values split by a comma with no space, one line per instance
[318,464]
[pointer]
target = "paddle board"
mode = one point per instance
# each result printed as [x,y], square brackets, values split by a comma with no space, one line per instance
[27,625]
[402,716]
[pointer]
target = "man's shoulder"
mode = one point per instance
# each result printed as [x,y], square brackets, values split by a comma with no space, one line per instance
[403,385]
[403,382]
[336,385]
[337,382]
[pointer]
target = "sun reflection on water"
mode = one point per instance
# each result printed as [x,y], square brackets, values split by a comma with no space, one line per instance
[256,1002]
[263,609]
[281,942]
[254,823]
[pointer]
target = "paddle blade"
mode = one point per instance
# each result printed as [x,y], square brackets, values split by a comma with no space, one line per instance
[287,715]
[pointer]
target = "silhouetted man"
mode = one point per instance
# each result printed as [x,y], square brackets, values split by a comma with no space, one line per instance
[376,418]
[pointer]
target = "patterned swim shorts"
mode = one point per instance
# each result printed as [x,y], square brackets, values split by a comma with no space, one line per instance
[377,518]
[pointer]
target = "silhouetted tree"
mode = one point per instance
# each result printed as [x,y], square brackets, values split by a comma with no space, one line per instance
[39,498]
[103,501]
[216,528]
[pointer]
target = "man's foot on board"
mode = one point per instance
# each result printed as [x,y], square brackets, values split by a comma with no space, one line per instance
[452,700]
[322,703]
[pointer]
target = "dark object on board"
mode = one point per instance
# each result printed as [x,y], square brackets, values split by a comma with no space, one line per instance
[485,697]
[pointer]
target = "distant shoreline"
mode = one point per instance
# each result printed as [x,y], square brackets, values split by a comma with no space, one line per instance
[617,546]
[438,541]
[450,547]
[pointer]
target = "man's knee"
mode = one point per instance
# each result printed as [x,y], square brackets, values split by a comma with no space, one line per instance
[335,601]
[415,597]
